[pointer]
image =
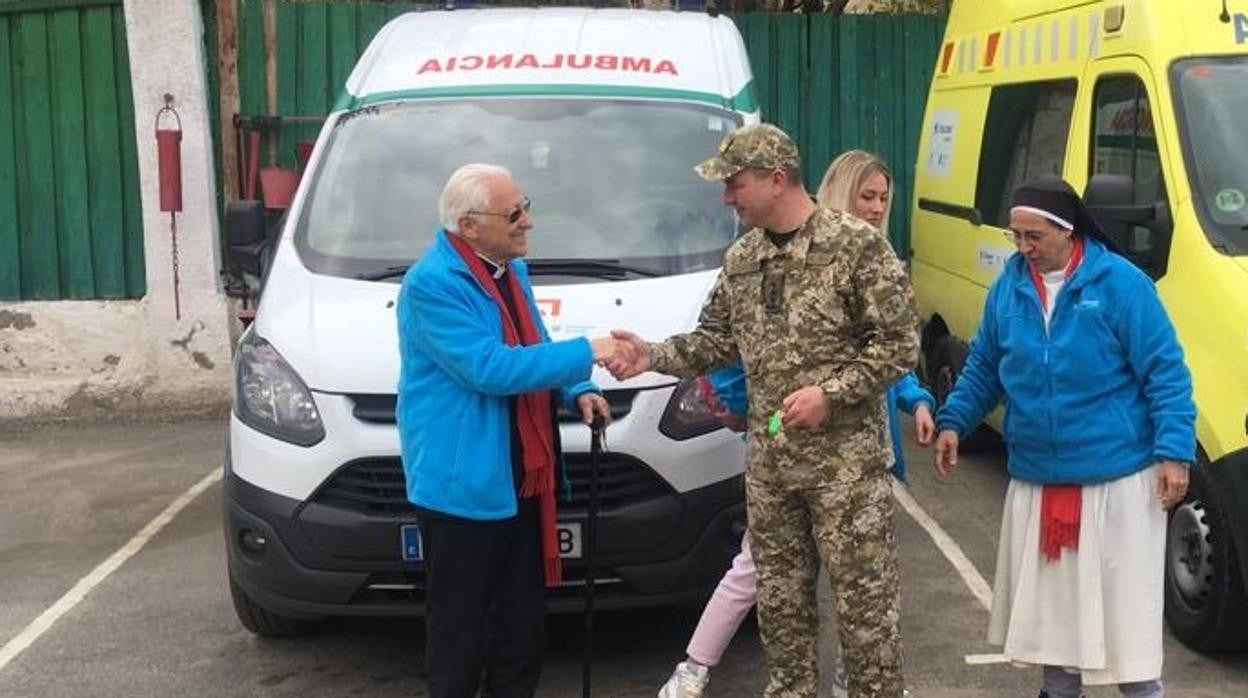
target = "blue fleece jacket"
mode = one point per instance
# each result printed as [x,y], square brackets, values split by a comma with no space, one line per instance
[1102,393]
[906,394]
[456,378]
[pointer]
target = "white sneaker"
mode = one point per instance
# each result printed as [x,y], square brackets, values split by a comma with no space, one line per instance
[840,682]
[688,681]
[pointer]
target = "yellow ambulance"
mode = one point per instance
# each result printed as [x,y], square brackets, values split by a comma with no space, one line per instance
[1143,106]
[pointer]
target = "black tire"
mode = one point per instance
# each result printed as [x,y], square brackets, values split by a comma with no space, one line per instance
[264,622]
[943,368]
[1205,602]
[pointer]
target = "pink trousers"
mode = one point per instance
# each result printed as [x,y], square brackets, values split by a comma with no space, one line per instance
[729,604]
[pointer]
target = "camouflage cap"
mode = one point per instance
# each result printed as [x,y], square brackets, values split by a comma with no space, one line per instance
[761,146]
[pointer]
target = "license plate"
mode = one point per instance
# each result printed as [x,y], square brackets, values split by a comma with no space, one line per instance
[569,536]
[413,549]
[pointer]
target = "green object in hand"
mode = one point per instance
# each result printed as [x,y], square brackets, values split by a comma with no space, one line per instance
[774,425]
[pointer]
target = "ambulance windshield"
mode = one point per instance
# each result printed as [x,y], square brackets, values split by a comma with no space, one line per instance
[1212,101]
[608,180]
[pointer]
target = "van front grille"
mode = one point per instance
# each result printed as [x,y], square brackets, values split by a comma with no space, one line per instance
[376,486]
[380,408]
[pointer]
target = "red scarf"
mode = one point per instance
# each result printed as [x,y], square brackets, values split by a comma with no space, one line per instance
[1060,505]
[1076,256]
[533,415]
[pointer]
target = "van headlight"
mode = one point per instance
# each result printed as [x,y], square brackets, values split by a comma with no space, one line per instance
[270,397]
[686,414]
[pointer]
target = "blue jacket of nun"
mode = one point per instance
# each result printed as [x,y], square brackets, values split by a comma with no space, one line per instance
[1098,394]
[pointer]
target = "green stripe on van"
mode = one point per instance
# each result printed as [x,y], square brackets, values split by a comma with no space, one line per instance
[743,101]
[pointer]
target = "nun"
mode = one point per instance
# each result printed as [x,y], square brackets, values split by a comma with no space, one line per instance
[1100,431]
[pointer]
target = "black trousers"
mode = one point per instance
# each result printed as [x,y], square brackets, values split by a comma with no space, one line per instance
[485,613]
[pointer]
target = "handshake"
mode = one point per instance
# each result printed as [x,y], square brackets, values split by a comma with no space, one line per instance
[624,354]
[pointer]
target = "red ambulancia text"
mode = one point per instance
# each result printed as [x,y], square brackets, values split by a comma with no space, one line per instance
[559,61]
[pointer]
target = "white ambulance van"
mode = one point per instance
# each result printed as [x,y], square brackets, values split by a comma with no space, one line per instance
[600,115]
[1140,104]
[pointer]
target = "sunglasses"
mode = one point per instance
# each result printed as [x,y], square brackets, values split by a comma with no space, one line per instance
[512,216]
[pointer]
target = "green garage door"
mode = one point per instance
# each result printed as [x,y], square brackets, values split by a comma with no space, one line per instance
[70,220]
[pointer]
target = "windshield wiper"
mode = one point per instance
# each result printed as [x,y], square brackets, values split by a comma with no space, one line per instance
[384,273]
[594,268]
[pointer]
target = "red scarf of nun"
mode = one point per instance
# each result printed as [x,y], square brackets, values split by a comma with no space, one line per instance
[1060,505]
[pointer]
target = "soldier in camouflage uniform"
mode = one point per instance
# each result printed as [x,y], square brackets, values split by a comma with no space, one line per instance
[821,316]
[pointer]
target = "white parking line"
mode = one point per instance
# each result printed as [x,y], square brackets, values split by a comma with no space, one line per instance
[986,659]
[953,553]
[947,546]
[63,605]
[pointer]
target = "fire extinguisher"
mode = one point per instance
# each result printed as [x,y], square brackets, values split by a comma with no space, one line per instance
[169,172]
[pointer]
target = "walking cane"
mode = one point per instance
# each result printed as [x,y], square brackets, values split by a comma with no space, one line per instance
[590,548]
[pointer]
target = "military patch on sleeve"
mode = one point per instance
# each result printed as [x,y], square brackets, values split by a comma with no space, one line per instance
[892,306]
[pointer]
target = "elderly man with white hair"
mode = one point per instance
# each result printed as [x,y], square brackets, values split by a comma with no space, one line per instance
[481,453]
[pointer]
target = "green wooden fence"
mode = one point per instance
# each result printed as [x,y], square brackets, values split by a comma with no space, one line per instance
[317,45]
[70,219]
[852,81]
[833,82]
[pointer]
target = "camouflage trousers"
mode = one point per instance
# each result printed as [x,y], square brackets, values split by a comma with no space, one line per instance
[796,520]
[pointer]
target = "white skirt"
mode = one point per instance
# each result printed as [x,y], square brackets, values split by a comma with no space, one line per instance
[1097,610]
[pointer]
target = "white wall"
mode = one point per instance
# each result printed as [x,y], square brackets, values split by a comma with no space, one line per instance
[78,358]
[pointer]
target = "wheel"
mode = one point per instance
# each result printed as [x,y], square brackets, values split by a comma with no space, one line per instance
[1205,602]
[943,369]
[262,621]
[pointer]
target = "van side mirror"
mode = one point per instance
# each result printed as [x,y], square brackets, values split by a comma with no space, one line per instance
[1110,198]
[245,238]
[1136,229]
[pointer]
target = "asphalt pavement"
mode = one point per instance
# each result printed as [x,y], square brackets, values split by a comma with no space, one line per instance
[112,583]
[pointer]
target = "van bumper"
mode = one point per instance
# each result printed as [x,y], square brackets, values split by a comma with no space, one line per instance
[318,560]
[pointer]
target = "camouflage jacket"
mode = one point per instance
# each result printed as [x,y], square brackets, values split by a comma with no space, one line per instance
[832,308]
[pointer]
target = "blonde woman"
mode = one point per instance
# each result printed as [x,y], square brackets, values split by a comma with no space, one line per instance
[859,183]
